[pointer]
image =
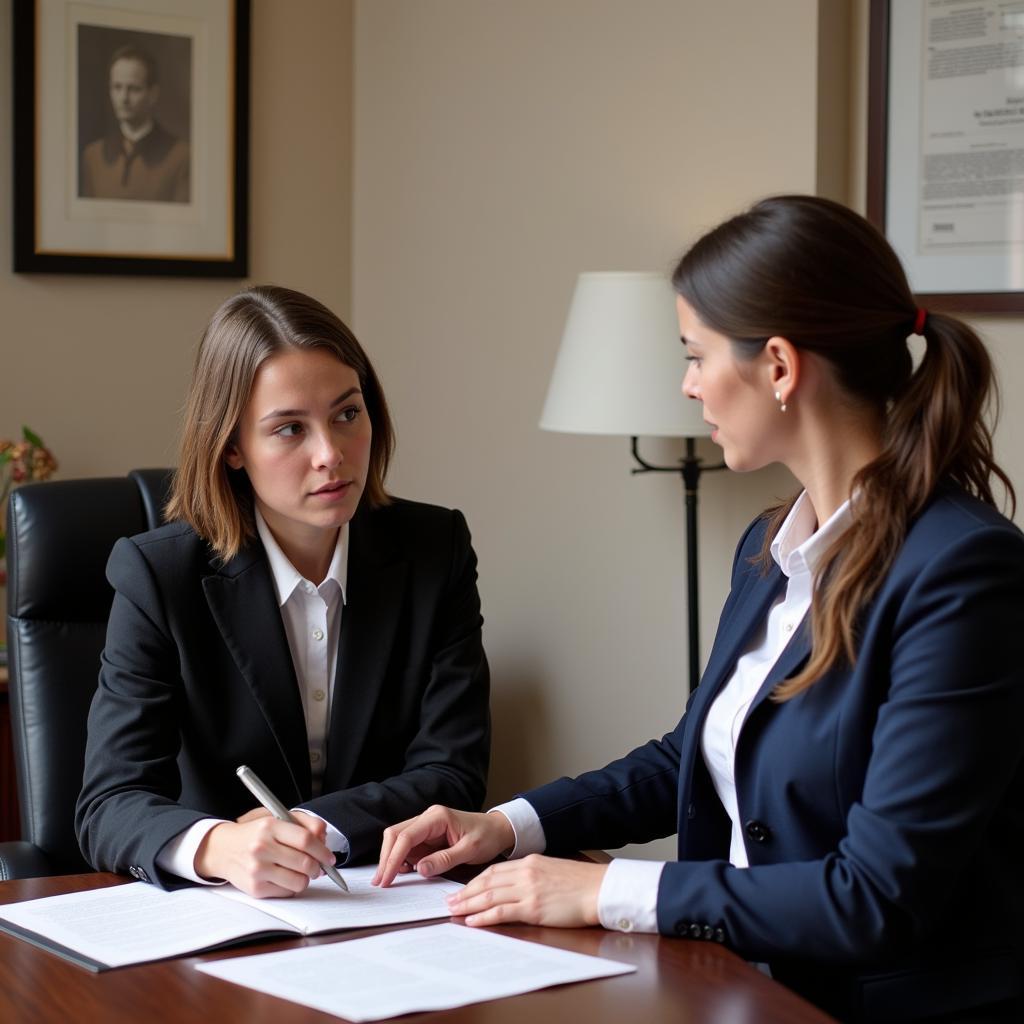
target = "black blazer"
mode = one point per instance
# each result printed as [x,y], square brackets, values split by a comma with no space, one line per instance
[883,807]
[196,679]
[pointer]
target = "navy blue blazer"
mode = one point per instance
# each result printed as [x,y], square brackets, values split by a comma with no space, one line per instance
[883,807]
[197,678]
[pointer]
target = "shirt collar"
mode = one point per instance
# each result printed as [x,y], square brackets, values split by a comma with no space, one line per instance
[286,577]
[798,546]
[136,134]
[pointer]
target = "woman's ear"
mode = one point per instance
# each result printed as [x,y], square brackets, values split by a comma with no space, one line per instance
[233,457]
[783,359]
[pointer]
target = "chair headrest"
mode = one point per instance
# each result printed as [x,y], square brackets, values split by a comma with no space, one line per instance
[63,531]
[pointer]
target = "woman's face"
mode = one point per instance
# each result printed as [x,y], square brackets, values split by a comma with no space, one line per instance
[304,440]
[739,406]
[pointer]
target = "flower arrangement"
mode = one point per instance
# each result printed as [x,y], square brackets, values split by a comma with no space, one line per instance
[21,461]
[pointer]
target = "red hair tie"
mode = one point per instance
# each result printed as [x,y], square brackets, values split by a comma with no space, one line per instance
[919,319]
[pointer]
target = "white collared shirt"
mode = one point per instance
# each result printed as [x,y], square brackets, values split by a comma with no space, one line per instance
[797,550]
[312,624]
[628,898]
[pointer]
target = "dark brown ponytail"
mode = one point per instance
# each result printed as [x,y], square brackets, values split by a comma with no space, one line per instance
[814,272]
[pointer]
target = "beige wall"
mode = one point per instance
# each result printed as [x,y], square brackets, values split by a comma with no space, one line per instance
[500,150]
[98,365]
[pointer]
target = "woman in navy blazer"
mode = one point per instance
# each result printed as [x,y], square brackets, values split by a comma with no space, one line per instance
[293,617]
[847,783]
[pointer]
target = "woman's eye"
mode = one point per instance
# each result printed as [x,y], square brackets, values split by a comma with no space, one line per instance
[288,430]
[694,359]
[348,414]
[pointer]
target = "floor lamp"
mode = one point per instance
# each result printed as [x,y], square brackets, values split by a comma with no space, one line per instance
[618,371]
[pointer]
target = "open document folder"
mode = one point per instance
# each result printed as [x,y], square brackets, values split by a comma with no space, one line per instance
[130,924]
[433,968]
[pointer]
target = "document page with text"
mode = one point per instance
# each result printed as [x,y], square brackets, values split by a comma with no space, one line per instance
[133,923]
[436,967]
[323,907]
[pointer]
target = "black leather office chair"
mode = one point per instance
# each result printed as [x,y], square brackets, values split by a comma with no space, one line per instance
[59,536]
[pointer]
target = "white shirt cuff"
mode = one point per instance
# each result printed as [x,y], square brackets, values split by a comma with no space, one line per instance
[335,841]
[178,856]
[628,899]
[526,825]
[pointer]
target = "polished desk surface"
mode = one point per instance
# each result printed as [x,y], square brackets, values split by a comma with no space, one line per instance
[678,981]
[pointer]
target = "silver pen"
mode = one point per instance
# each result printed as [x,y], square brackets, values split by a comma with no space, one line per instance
[257,787]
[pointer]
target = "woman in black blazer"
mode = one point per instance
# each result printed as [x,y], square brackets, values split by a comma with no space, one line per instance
[293,617]
[847,783]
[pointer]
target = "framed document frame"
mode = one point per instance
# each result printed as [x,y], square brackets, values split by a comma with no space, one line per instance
[946,147]
[131,137]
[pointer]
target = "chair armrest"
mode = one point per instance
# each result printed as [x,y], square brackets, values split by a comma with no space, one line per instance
[19,859]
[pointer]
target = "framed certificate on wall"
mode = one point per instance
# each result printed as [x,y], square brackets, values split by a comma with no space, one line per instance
[946,147]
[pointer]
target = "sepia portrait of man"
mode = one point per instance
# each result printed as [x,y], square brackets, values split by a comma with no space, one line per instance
[136,157]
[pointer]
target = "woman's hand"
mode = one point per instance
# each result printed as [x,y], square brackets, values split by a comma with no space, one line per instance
[263,856]
[438,839]
[534,890]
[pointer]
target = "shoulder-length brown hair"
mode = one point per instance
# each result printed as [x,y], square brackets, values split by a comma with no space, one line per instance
[813,272]
[248,329]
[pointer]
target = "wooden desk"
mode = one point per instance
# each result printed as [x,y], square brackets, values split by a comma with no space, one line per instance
[678,981]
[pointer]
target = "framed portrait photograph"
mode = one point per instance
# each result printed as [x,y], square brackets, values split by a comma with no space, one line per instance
[131,137]
[946,147]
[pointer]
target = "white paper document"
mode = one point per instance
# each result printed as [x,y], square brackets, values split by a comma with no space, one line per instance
[128,924]
[323,907]
[433,968]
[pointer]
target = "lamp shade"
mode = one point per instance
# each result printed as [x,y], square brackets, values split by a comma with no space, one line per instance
[620,365]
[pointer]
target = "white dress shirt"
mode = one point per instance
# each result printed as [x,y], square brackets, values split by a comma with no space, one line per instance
[797,550]
[312,624]
[629,893]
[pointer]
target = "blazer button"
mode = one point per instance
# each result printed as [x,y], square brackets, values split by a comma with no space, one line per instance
[695,931]
[682,928]
[709,933]
[691,811]
[758,831]
[719,935]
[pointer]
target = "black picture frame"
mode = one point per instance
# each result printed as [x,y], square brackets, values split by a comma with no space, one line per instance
[890,75]
[203,230]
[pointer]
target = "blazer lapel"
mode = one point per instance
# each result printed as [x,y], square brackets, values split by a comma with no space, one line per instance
[242,602]
[374,596]
[735,633]
[789,662]
[749,609]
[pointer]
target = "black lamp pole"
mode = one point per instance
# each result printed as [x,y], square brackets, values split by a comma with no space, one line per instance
[689,468]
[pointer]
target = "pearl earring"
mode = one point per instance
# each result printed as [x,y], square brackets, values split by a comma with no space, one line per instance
[782,404]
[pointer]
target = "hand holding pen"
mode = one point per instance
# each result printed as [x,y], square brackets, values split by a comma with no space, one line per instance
[264,856]
[258,788]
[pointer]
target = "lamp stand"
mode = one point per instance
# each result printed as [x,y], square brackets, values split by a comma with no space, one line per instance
[689,468]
